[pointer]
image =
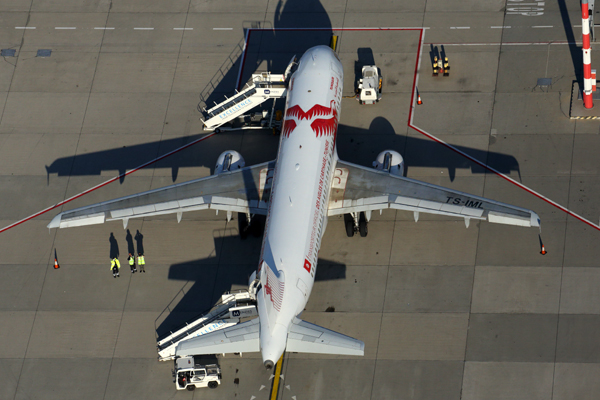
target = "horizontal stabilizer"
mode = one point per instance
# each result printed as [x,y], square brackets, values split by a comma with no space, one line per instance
[242,338]
[305,337]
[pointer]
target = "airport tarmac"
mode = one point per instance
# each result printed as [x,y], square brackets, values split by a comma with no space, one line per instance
[445,311]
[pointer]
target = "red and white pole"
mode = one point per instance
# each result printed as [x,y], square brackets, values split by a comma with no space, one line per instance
[587,56]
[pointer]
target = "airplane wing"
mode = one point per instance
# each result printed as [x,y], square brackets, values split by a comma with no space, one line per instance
[241,338]
[305,337]
[244,190]
[356,188]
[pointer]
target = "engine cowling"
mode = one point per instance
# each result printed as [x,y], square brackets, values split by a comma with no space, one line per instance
[390,161]
[229,160]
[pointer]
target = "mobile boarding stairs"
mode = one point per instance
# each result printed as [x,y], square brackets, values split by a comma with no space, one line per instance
[262,87]
[227,312]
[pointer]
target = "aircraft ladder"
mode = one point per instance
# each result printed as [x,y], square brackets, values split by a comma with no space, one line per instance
[217,318]
[264,86]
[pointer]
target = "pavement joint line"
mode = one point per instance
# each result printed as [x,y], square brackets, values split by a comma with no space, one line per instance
[98,186]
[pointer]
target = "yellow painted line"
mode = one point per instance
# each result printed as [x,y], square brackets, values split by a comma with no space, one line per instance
[276,379]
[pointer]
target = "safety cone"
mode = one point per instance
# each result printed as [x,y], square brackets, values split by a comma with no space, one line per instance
[419,101]
[56,266]
[543,252]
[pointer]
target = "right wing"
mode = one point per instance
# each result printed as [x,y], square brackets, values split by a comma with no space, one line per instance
[305,337]
[356,189]
[245,190]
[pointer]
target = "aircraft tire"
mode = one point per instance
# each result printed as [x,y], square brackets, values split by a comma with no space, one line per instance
[349,224]
[363,227]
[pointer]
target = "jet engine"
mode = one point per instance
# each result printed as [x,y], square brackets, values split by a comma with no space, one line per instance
[390,161]
[229,160]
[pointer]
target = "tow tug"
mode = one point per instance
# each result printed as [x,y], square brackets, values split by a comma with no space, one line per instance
[369,86]
[190,373]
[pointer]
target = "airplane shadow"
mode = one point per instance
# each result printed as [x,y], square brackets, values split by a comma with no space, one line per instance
[228,270]
[357,145]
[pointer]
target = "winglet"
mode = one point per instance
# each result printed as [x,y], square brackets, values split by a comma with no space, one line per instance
[55,223]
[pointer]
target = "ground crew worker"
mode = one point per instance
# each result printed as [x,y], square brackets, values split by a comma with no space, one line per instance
[141,263]
[115,265]
[131,260]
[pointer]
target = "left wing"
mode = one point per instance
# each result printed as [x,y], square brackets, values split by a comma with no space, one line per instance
[244,190]
[241,338]
[356,188]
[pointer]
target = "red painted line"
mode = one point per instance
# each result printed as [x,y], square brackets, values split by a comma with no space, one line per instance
[476,161]
[107,182]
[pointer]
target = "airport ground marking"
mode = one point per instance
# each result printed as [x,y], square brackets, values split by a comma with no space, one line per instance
[65,27]
[98,186]
[277,374]
[143,29]
[473,159]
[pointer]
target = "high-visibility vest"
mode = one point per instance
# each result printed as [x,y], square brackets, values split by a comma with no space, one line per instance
[131,260]
[115,263]
[141,260]
[112,263]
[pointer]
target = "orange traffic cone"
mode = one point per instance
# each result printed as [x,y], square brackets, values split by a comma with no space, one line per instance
[543,252]
[56,266]
[419,101]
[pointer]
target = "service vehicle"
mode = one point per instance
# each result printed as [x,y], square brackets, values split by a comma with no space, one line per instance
[190,373]
[369,86]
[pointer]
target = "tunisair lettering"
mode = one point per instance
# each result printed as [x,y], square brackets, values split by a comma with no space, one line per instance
[320,193]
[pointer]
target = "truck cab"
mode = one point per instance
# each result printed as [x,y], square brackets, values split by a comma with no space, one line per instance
[190,373]
[369,86]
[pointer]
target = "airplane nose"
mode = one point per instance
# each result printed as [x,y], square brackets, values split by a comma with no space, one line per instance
[269,364]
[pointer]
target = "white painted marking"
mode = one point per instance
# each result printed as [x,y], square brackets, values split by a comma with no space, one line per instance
[500,27]
[24,27]
[543,26]
[460,27]
[65,27]
[143,29]
[222,29]
[183,29]
[104,27]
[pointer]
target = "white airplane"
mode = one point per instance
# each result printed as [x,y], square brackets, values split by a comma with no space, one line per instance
[297,192]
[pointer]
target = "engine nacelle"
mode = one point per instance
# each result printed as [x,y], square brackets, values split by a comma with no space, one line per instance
[229,160]
[390,161]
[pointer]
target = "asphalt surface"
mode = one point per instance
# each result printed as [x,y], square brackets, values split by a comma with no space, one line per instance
[445,311]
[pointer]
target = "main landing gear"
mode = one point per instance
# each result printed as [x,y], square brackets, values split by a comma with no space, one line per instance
[356,222]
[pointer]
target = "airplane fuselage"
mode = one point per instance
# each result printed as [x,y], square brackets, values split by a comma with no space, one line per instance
[297,215]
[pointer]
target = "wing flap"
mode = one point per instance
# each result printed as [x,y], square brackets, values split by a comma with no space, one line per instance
[305,337]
